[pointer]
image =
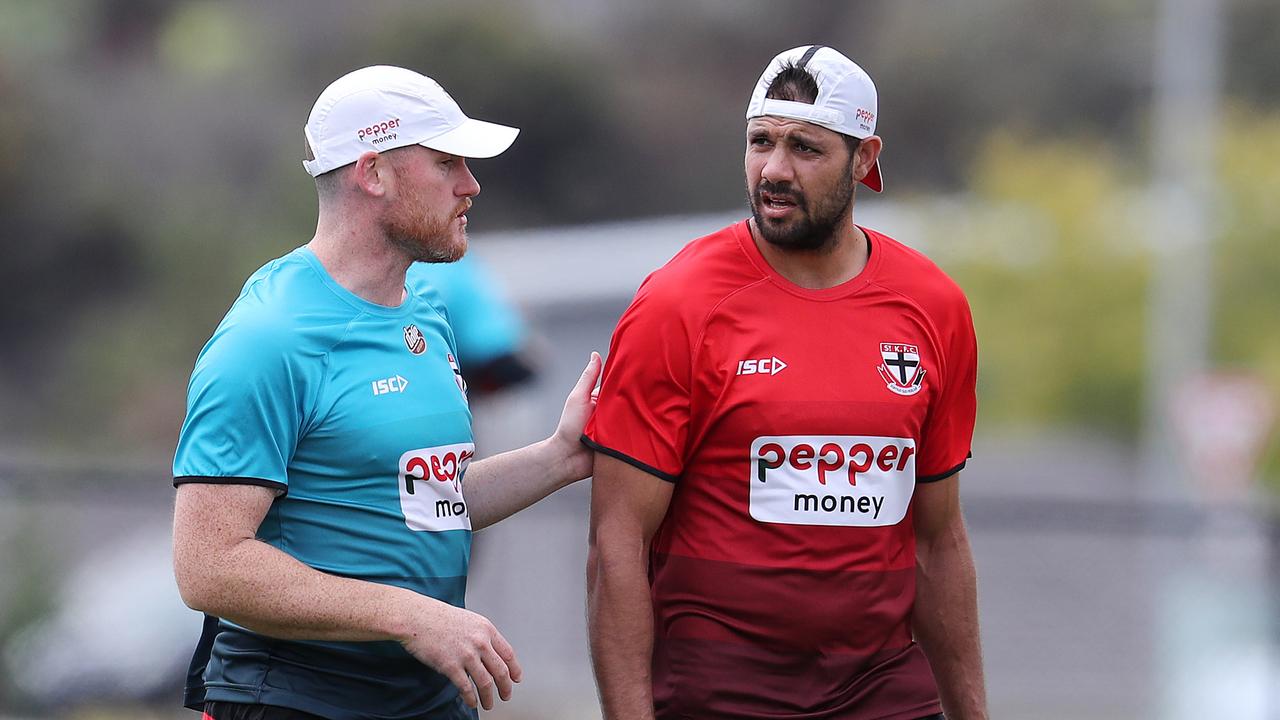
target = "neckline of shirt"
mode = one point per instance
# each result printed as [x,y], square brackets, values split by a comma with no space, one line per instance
[403,309]
[849,287]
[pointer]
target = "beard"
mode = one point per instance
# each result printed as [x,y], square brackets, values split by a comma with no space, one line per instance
[411,227]
[814,229]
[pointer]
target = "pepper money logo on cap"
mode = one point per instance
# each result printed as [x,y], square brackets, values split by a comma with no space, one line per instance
[846,101]
[383,107]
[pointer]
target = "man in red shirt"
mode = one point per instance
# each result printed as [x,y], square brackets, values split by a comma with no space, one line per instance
[775,519]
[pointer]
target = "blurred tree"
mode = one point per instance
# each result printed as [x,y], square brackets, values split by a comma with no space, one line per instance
[1253,51]
[1247,276]
[25,595]
[949,73]
[1246,328]
[1056,278]
[569,163]
[149,161]
[124,29]
[68,248]
[1050,249]
[205,39]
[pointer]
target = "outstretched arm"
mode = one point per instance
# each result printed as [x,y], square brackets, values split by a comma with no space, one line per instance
[505,484]
[945,619]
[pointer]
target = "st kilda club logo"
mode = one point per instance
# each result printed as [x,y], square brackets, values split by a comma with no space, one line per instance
[414,340]
[900,368]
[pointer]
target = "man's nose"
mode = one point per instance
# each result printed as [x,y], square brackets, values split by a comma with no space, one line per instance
[468,186]
[777,167]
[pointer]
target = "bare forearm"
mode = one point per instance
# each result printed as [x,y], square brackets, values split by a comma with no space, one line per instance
[505,484]
[224,570]
[946,623]
[620,623]
[265,590]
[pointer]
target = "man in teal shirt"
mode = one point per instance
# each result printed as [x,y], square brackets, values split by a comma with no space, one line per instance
[326,494]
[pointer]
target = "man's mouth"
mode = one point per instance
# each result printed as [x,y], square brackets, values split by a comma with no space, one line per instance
[776,203]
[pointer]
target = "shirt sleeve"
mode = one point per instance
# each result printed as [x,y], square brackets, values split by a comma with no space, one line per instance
[244,409]
[947,435]
[642,416]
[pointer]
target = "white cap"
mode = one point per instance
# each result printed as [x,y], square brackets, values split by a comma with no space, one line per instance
[382,107]
[846,101]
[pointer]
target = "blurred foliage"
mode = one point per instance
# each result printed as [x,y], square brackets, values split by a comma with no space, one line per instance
[1247,272]
[564,108]
[1051,247]
[1252,51]
[1056,278]
[206,39]
[1070,68]
[149,161]
[26,591]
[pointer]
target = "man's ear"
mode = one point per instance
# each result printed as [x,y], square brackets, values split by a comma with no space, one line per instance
[372,174]
[865,158]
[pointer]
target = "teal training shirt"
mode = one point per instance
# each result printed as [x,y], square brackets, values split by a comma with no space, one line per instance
[357,414]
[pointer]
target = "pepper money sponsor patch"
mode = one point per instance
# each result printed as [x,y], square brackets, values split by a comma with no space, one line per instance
[849,480]
[431,487]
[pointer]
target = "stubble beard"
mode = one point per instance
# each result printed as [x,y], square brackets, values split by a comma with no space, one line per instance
[814,230]
[410,228]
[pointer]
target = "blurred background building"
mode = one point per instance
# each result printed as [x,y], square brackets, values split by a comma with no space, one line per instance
[1100,176]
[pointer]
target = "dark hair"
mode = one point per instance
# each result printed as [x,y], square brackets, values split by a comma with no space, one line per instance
[793,83]
[797,84]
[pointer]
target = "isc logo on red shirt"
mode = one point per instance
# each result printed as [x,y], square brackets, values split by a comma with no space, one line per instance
[761,366]
[431,487]
[849,480]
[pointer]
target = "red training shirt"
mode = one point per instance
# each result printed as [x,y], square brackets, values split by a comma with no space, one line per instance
[795,424]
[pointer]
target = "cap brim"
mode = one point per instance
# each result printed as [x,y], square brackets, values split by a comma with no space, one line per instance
[873,179]
[474,139]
